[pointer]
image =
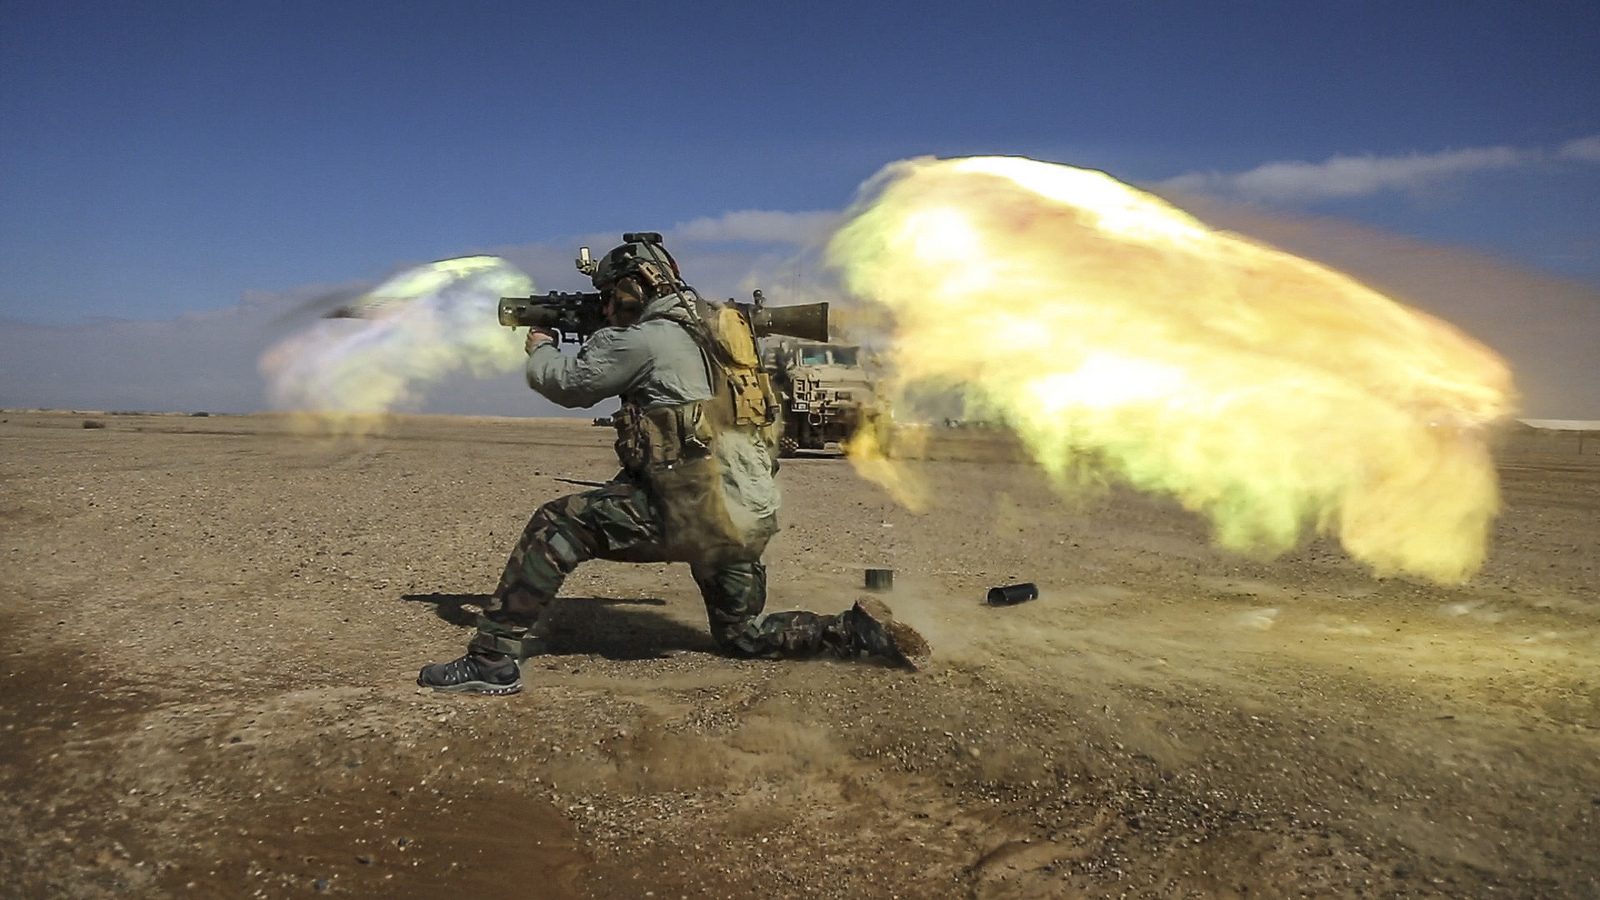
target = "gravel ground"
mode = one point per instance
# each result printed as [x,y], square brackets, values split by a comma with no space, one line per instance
[212,626]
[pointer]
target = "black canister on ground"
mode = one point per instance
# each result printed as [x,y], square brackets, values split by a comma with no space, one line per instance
[1012,594]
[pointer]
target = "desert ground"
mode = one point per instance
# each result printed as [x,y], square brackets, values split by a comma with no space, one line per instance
[212,626]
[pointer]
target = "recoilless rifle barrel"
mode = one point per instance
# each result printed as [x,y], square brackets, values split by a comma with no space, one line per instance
[579,314]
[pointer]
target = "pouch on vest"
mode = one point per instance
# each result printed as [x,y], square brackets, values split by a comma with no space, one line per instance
[670,449]
[744,395]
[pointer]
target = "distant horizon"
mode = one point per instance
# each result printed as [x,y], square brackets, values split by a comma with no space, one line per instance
[1584,425]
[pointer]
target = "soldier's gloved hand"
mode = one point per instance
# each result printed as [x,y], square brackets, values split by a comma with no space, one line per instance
[537,336]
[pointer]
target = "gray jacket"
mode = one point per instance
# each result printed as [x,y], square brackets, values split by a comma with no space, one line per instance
[656,363]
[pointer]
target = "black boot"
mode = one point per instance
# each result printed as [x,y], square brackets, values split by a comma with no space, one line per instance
[871,630]
[474,673]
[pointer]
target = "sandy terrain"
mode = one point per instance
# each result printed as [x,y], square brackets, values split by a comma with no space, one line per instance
[212,625]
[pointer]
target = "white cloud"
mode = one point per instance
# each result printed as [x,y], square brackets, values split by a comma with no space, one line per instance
[722,256]
[758,226]
[1586,149]
[1290,181]
[1347,176]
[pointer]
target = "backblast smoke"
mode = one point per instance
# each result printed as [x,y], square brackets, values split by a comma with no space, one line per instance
[1119,336]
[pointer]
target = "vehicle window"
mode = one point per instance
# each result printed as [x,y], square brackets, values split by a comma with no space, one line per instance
[844,356]
[814,356]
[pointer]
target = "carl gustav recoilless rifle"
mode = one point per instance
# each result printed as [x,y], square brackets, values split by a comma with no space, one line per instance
[576,315]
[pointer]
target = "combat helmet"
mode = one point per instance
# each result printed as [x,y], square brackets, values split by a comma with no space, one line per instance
[642,258]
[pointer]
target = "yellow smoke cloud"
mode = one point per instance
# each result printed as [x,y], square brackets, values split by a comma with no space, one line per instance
[414,329]
[1120,336]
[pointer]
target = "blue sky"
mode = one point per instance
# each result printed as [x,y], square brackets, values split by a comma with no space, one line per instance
[167,159]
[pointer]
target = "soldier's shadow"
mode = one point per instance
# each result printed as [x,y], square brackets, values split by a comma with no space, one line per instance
[613,627]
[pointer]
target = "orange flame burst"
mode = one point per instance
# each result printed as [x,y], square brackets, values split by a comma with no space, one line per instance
[1117,334]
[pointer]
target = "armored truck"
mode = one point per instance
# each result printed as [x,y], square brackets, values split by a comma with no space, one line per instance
[825,391]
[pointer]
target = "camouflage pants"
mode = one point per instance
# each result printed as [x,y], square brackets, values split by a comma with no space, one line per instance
[620,522]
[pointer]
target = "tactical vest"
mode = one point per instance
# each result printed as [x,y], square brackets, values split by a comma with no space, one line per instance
[672,449]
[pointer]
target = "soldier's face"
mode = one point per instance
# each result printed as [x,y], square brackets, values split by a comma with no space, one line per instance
[621,302]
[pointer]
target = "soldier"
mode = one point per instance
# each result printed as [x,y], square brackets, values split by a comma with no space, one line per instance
[696,486]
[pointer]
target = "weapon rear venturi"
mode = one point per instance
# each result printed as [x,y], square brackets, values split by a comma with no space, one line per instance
[807,321]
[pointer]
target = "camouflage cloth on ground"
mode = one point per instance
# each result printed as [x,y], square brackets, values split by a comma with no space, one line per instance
[620,522]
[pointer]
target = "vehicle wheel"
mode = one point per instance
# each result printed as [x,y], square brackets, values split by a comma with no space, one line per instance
[787,447]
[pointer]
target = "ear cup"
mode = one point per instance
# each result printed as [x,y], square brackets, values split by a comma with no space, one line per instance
[628,291]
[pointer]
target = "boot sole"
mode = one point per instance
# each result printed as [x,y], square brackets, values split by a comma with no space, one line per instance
[477,687]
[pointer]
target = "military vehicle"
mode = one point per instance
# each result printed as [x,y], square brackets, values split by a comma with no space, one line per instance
[825,391]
